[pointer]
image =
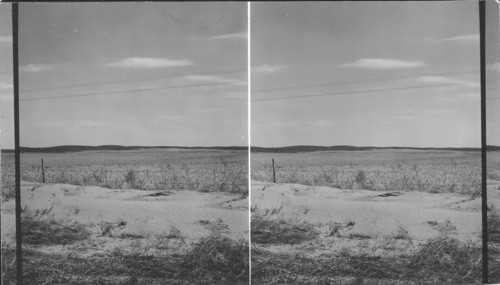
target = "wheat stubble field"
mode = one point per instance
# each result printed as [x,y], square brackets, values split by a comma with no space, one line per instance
[146,216]
[384,216]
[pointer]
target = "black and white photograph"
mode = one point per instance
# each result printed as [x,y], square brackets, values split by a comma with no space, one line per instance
[298,142]
[133,128]
[366,143]
[492,88]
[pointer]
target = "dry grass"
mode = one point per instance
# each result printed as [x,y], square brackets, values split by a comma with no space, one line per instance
[206,171]
[217,258]
[447,259]
[8,183]
[494,244]
[41,228]
[8,262]
[277,230]
[272,268]
[494,225]
[429,171]
[213,260]
[441,261]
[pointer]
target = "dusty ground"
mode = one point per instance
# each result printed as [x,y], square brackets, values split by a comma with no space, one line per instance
[372,222]
[160,222]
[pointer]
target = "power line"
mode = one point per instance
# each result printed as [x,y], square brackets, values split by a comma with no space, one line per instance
[353,92]
[363,81]
[100,83]
[123,91]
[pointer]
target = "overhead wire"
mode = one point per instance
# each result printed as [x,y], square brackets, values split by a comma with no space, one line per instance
[353,92]
[122,91]
[363,81]
[238,70]
[100,83]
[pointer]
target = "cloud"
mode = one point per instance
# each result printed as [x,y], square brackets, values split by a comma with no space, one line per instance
[215,79]
[235,95]
[407,117]
[463,38]
[89,123]
[210,78]
[208,110]
[383,63]
[6,86]
[447,80]
[268,68]
[6,97]
[56,124]
[323,123]
[439,111]
[35,68]
[495,66]
[5,39]
[474,96]
[233,36]
[149,62]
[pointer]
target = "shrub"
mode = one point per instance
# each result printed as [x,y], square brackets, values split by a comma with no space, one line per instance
[41,228]
[280,231]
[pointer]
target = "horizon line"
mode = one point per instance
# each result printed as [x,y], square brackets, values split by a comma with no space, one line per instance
[246,146]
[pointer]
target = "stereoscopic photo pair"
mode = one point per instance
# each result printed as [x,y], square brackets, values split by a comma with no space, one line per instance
[250,143]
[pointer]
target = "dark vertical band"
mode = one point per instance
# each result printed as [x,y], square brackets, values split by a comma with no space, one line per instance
[484,185]
[19,263]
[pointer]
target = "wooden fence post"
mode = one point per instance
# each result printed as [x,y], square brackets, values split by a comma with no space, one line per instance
[43,173]
[274,172]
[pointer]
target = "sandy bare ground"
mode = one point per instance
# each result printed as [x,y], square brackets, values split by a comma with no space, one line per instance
[373,222]
[135,218]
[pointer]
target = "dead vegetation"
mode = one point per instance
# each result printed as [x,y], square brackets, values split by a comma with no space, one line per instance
[8,183]
[494,244]
[212,260]
[40,227]
[391,259]
[455,172]
[280,231]
[114,269]
[203,171]
[443,260]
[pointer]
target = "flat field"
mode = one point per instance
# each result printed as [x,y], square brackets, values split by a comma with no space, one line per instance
[148,169]
[369,217]
[434,171]
[129,217]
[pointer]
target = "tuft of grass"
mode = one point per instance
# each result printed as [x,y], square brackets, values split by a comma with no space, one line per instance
[217,258]
[494,244]
[343,268]
[281,231]
[494,225]
[8,190]
[41,228]
[214,260]
[441,261]
[8,261]
[446,259]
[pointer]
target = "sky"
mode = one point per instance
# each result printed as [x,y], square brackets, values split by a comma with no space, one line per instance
[174,74]
[492,73]
[150,74]
[345,47]
[6,80]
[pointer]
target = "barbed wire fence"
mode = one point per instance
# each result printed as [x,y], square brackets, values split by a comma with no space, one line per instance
[455,178]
